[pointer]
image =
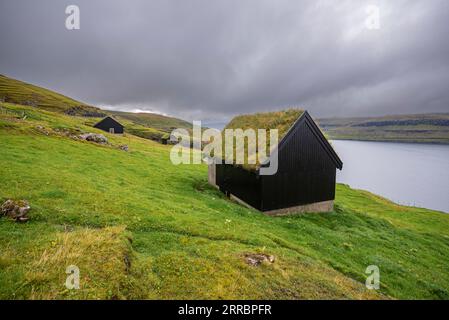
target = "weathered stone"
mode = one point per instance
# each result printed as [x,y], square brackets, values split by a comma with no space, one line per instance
[94,137]
[42,129]
[212,174]
[123,147]
[255,259]
[323,206]
[16,210]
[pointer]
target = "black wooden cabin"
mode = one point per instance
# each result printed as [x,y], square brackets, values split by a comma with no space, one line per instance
[304,182]
[110,125]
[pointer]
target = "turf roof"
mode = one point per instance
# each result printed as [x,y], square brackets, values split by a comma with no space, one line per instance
[281,120]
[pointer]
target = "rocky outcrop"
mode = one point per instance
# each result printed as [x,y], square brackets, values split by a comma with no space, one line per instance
[123,147]
[255,259]
[94,137]
[16,210]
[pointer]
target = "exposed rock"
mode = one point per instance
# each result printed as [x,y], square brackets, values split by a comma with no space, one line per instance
[94,137]
[16,210]
[124,147]
[68,132]
[42,129]
[255,259]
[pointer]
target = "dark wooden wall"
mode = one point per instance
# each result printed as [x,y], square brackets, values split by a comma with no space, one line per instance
[242,183]
[306,174]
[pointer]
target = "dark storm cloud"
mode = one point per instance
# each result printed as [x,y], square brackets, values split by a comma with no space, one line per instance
[202,59]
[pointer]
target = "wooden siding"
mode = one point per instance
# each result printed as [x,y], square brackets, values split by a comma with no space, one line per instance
[242,183]
[306,174]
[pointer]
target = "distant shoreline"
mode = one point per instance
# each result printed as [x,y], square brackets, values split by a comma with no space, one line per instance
[430,128]
[390,140]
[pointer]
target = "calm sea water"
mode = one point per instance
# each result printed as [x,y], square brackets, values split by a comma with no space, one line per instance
[406,173]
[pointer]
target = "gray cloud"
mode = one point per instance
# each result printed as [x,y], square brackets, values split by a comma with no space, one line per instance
[202,59]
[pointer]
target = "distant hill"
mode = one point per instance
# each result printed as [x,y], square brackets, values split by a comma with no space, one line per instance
[152,120]
[428,128]
[146,125]
[149,125]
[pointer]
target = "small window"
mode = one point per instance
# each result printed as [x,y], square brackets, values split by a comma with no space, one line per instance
[111,130]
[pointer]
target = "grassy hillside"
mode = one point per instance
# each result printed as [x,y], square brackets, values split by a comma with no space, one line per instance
[423,128]
[139,227]
[19,92]
[145,125]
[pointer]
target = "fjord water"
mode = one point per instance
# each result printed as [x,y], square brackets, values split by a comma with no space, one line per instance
[406,173]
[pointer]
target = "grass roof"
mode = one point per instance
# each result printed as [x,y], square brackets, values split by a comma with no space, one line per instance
[281,120]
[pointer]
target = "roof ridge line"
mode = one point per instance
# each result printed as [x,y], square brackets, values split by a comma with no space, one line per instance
[305,116]
[326,144]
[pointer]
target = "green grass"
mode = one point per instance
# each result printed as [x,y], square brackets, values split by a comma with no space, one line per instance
[139,227]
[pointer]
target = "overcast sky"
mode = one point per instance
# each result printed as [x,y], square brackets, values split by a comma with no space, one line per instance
[211,59]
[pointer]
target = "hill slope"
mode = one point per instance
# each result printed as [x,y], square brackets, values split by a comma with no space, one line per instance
[152,120]
[19,92]
[149,125]
[429,128]
[139,227]
[145,125]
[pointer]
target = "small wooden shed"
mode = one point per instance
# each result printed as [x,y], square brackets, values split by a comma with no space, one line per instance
[307,163]
[110,125]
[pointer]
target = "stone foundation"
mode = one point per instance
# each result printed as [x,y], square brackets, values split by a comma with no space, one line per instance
[212,174]
[238,200]
[324,206]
